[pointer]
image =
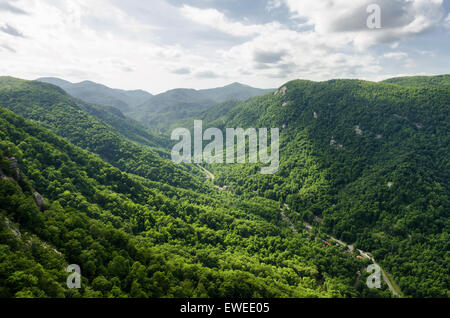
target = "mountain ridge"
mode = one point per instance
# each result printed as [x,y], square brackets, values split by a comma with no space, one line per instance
[96,93]
[421,81]
[158,111]
[54,109]
[366,162]
[133,237]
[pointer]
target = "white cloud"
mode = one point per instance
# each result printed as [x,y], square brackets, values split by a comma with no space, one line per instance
[182,71]
[447,21]
[215,19]
[123,45]
[87,39]
[276,52]
[400,19]
[396,55]
[304,55]
[207,74]
[274,4]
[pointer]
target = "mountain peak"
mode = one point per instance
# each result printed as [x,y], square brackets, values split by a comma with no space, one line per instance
[100,94]
[53,80]
[237,84]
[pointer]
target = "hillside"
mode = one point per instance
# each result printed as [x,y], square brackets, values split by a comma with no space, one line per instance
[421,81]
[361,163]
[209,115]
[95,93]
[132,237]
[129,128]
[160,111]
[365,162]
[54,109]
[163,110]
[236,91]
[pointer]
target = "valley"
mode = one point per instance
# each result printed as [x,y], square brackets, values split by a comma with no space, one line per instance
[139,225]
[386,278]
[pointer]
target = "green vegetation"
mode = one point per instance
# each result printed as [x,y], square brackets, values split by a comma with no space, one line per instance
[163,110]
[421,81]
[99,94]
[128,127]
[208,115]
[160,111]
[134,237]
[367,163]
[364,162]
[54,109]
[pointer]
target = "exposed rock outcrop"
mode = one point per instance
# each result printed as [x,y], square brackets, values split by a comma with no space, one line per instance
[39,200]
[18,175]
[282,91]
[14,166]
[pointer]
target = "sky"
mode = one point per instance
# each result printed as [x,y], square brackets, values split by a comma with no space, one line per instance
[159,45]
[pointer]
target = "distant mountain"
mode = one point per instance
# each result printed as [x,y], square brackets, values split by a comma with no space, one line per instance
[159,111]
[95,130]
[421,81]
[233,91]
[208,115]
[162,110]
[131,225]
[100,94]
[177,100]
[128,127]
[360,162]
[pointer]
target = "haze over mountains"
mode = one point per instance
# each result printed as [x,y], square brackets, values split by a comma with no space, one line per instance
[159,111]
[366,163]
[152,164]
[100,94]
[138,225]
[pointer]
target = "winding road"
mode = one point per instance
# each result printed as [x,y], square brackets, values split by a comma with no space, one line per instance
[210,177]
[208,174]
[366,255]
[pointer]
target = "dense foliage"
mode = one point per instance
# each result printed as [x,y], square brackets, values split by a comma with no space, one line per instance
[54,109]
[99,94]
[163,110]
[421,81]
[160,111]
[129,128]
[364,162]
[368,163]
[134,237]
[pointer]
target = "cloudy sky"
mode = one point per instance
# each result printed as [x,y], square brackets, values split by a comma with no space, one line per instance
[157,45]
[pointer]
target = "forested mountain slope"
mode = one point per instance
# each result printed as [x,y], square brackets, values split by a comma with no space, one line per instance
[366,162]
[163,110]
[159,111]
[53,108]
[421,81]
[112,113]
[100,94]
[133,237]
[236,91]
[208,115]
[126,126]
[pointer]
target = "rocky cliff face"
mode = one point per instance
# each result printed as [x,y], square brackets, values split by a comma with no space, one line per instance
[17,175]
